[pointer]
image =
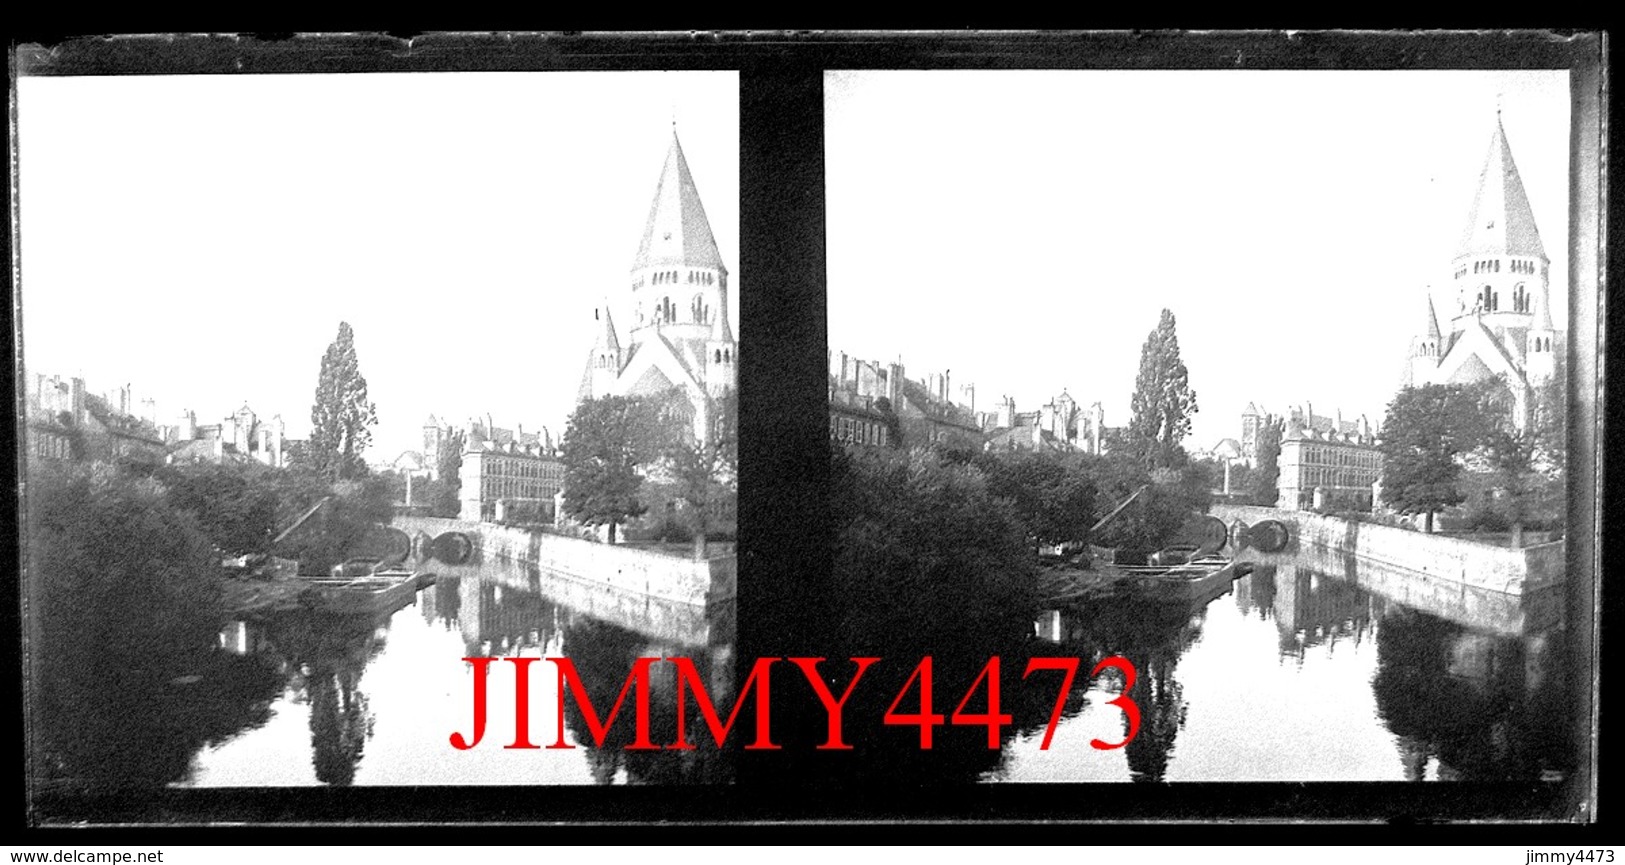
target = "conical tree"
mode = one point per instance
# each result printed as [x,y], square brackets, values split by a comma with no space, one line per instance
[342,416]
[1163,401]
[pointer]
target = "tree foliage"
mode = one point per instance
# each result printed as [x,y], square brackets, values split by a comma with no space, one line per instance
[1163,402]
[606,443]
[704,472]
[1156,515]
[894,424]
[1524,465]
[341,417]
[444,494]
[1264,484]
[1425,431]
[1052,496]
[122,588]
[235,504]
[926,554]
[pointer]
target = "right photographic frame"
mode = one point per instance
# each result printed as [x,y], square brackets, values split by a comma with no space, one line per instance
[1222,424]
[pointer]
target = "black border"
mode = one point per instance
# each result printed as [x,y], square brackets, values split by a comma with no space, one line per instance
[783,525]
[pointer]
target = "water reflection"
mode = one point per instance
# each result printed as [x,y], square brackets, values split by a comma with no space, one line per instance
[380,696]
[125,728]
[1322,667]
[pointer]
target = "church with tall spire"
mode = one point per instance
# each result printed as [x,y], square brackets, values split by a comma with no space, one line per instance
[1501,326]
[678,335]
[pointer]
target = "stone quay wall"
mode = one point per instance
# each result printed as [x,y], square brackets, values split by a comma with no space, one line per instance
[628,569]
[1486,566]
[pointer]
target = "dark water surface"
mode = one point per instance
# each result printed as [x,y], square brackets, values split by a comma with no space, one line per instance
[1316,667]
[374,701]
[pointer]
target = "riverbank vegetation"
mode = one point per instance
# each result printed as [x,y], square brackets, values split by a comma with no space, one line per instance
[1458,451]
[124,568]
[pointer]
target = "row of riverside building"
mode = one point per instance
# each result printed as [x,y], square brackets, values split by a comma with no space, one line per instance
[1501,331]
[66,421]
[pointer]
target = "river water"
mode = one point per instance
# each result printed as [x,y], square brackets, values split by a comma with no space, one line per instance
[1315,667]
[360,701]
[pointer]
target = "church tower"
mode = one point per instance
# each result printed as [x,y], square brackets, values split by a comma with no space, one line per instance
[1425,350]
[606,353]
[1500,268]
[1502,327]
[679,335]
[1540,345]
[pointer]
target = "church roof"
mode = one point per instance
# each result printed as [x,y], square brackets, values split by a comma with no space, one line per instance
[1501,222]
[606,335]
[584,390]
[1543,313]
[1433,320]
[721,331]
[1471,370]
[677,231]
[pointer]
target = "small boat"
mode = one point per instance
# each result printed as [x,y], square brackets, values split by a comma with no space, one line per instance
[383,590]
[1195,581]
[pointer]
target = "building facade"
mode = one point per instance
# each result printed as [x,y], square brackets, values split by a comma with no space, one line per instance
[1060,425]
[510,483]
[239,437]
[1327,463]
[678,341]
[679,338]
[506,475]
[64,421]
[870,402]
[1501,326]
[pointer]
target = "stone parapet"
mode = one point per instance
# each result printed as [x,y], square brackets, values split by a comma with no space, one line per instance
[628,569]
[1470,563]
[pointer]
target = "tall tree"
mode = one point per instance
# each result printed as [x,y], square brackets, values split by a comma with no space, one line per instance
[445,501]
[342,416]
[1163,401]
[1265,478]
[1525,463]
[705,471]
[606,443]
[1426,429]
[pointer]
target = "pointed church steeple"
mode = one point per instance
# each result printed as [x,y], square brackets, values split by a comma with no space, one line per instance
[1543,315]
[604,361]
[1432,327]
[1501,222]
[677,232]
[607,340]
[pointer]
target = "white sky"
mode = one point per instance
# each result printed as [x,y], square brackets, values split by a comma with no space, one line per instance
[201,237]
[1024,229]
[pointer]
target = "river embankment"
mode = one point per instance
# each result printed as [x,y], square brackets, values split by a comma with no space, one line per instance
[1481,565]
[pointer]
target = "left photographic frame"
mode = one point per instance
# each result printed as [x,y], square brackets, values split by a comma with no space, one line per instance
[329,383]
